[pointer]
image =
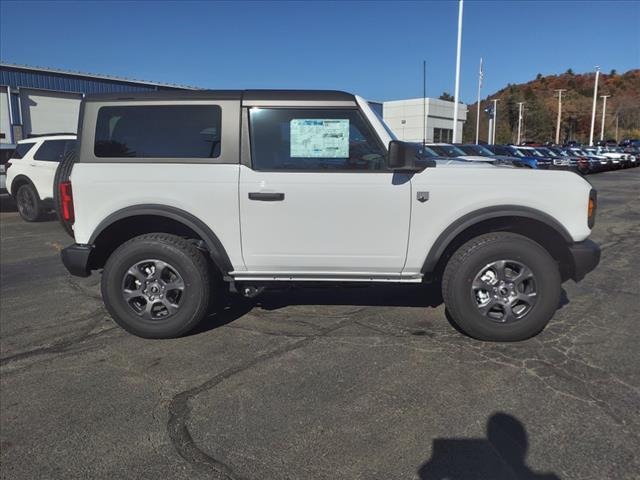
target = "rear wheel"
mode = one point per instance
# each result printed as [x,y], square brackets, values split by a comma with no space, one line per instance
[29,203]
[501,287]
[156,286]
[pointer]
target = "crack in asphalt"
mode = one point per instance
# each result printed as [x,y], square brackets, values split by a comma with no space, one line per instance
[180,410]
[66,344]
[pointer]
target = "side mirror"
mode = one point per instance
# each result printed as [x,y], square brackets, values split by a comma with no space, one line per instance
[403,157]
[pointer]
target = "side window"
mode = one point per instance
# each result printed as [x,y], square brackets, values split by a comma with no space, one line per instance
[158,131]
[21,150]
[70,146]
[51,151]
[313,139]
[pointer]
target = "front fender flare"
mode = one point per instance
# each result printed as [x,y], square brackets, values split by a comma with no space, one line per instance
[481,215]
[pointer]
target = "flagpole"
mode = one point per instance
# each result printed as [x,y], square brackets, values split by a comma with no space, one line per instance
[457,84]
[478,109]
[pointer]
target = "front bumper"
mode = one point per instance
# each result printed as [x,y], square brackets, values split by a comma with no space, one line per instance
[76,259]
[585,256]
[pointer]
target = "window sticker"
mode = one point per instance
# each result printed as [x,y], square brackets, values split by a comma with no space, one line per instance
[319,138]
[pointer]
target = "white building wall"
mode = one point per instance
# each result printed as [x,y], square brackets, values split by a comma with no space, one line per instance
[405,118]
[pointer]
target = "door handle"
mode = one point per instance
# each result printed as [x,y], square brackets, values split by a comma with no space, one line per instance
[266,196]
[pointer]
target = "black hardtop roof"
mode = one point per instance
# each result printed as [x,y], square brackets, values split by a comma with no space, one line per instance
[275,95]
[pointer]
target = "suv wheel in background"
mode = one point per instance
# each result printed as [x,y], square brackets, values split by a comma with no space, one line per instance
[62,175]
[29,203]
[157,286]
[501,287]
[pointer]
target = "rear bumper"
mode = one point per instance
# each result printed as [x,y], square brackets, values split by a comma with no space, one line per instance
[585,256]
[76,259]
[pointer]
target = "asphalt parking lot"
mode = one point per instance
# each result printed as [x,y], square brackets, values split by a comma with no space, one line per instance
[353,383]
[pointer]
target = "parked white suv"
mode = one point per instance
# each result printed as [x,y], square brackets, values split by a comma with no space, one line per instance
[31,170]
[173,190]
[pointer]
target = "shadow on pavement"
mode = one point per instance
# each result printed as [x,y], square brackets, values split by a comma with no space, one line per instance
[7,204]
[500,456]
[421,295]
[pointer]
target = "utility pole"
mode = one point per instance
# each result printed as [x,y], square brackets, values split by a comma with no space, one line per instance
[495,119]
[478,108]
[520,104]
[593,110]
[604,112]
[457,86]
[560,90]
[424,103]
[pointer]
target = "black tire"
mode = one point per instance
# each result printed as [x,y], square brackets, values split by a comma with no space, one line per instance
[184,259]
[29,203]
[462,299]
[63,172]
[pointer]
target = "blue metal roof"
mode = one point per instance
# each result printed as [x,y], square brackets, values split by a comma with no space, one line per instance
[19,76]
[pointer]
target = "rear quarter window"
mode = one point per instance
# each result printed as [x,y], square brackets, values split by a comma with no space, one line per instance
[51,151]
[158,131]
[21,150]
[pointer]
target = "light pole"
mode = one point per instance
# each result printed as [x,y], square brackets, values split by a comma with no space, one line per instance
[593,110]
[520,104]
[560,90]
[604,111]
[478,108]
[495,120]
[457,86]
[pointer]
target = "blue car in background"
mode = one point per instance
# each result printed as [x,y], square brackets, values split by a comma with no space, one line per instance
[527,160]
[486,151]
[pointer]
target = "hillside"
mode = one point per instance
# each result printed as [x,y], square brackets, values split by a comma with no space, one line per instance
[541,108]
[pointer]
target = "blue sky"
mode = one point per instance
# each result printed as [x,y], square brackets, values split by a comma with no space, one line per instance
[371,48]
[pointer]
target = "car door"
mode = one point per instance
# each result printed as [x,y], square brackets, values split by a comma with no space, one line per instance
[317,198]
[44,164]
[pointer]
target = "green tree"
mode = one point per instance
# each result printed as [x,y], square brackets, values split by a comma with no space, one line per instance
[569,71]
[446,96]
[613,72]
[538,76]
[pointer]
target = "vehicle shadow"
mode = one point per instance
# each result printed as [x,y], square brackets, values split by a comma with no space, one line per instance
[376,295]
[500,456]
[7,204]
[229,307]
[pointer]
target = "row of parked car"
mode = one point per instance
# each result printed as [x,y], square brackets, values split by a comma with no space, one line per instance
[583,160]
[31,180]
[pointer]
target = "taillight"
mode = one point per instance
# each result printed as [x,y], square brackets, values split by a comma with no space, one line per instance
[66,200]
[591,209]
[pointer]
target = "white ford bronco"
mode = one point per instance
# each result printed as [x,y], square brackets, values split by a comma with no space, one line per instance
[173,193]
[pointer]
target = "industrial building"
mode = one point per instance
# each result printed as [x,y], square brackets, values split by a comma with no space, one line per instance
[35,100]
[407,119]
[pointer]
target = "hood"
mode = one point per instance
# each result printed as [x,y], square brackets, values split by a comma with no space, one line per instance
[475,158]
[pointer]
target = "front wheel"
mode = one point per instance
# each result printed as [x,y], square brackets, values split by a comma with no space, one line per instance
[501,287]
[156,286]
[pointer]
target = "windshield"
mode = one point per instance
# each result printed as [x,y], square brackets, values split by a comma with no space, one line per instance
[480,150]
[548,152]
[499,150]
[425,151]
[447,150]
[523,153]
